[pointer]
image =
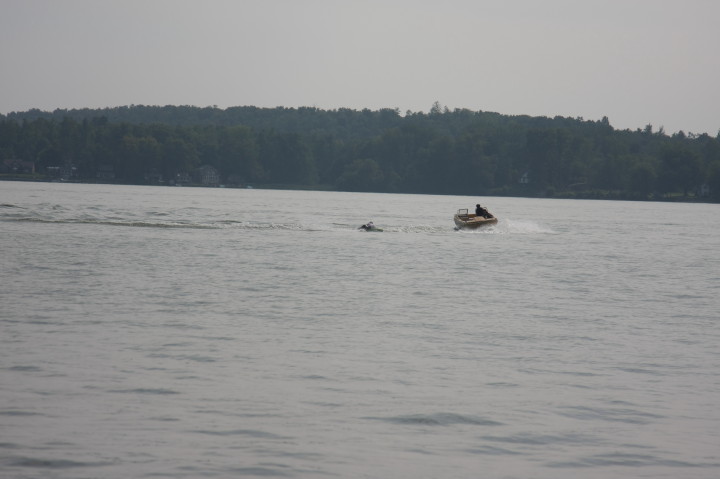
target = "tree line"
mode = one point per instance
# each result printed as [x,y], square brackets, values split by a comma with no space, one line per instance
[459,152]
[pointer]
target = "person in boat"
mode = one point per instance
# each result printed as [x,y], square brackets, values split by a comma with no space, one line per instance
[368,226]
[481,211]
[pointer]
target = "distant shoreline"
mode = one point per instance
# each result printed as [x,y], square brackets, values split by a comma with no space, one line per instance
[460,152]
[608,196]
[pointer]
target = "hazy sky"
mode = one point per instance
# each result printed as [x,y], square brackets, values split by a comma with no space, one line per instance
[637,62]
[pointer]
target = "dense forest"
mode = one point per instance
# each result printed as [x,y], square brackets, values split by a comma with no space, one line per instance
[458,152]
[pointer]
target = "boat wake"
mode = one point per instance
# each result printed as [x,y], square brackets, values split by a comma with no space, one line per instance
[526,227]
[502,227]
[190,219]
[108,222]
[508,226]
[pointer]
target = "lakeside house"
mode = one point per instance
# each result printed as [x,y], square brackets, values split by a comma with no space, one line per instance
[18,166]
[207,175]
[105,173]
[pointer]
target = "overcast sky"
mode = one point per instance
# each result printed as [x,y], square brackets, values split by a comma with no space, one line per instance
[637,62]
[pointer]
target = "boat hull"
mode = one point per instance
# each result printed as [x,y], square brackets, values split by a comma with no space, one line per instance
[472,221]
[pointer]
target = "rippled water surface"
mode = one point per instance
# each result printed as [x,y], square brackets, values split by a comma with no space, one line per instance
[189,332]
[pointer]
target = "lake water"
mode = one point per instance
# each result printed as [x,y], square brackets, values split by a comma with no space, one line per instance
[188,332]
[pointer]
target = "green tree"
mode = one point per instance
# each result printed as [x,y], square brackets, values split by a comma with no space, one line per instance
[680,168]
[178,156]
[287,158]
[643,178]
[542,157]
[238,155]
[141,155]
[362,175]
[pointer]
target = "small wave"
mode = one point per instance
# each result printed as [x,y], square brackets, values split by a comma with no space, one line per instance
[539,440]
[641,371]
[493,451]
[258,472]
[198,358]
[10,445]
[15,412]
[625,415]
[242,432]
[52,463]
[159,391]
[438,419]
[164,419]
[627,460]
[25,368]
